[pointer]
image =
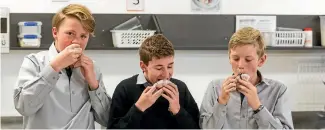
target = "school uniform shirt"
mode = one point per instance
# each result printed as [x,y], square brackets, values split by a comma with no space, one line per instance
[53,100]
[237,114]
[125,115]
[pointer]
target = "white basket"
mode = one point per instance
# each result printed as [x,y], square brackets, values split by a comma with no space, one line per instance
[289,39]
[130,38]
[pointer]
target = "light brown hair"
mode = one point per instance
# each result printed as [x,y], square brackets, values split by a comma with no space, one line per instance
[156,46]
[247,36]
[80,12]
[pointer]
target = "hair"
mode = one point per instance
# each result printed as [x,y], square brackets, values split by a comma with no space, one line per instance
[247,36]
[80,12]
[156,46]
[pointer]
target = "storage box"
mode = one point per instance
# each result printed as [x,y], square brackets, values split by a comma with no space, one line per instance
[30,27]
[30,40]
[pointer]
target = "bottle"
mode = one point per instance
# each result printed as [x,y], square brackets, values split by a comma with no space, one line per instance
[309,37]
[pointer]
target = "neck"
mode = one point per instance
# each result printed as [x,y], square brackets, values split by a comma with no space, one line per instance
[145,76]
[255,79]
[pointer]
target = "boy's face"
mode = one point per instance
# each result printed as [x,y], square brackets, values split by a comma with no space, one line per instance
[244,59]
[70,32]
[158,69]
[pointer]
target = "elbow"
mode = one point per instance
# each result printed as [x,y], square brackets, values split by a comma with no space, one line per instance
[203,123]
[24,111]
[210,123]
[23,107]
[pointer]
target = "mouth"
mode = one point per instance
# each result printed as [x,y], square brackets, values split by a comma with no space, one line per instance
[244,76]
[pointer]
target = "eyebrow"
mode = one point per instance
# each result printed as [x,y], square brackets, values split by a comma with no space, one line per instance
[162,65]
[71,30]
[239,56]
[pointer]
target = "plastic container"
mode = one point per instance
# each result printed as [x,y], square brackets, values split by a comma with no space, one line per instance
[131,24]
[289,39]
[30,27]
[268,38]
[130,38]
[322,30]
[309,37]
[30,40]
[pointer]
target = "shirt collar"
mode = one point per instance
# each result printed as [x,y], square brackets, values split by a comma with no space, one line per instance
[263,83]
[52,52]
[141,80]
[263,80]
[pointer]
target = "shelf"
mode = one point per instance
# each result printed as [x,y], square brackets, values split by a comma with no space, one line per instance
[184,48]
[46,48]
[296,48]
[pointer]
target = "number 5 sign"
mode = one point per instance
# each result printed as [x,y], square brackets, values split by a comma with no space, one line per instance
[135,5]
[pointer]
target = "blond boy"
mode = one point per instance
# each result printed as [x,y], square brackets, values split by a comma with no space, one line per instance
[257,102]
[62,88]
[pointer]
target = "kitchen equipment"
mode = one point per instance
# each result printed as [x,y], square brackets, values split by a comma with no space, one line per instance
[289,39]
[131,24]
[130,38]
[322,30]
[5,30]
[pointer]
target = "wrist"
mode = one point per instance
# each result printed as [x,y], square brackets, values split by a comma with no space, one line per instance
[93,85]
[256,106]
[222,101]
[258,109]
[55,66]
[139,106]
[175,111]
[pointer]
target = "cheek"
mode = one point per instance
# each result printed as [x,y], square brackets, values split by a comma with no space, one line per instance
[170,71]
[252,66]
[234,64]
[83,43]
[153,75]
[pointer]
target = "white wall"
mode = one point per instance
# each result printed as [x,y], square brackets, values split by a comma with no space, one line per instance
[175,6]
[196,68]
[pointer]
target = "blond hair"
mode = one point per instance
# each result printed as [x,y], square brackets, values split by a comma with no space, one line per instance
[80,12]
[247,36]
[156,46]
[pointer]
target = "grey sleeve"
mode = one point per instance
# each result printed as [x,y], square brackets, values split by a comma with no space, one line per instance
[100,101]
[33,85]
[212,114]
[281,117]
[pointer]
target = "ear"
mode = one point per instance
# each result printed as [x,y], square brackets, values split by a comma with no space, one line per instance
[143,66]
[262,60]
[55,33]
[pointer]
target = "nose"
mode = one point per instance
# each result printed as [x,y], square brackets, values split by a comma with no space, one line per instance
[165,74]
[75,40]
[241,65]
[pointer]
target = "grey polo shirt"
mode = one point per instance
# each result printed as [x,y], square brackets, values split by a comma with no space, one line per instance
[239,115]
[48,99]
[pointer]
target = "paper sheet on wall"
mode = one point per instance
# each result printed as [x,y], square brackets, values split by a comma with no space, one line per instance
[266,24]
[262,23]
[134,5]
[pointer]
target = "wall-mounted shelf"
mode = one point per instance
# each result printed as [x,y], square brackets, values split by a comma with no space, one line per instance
[186,32]
[296,48]
[44,48]
[183,48]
